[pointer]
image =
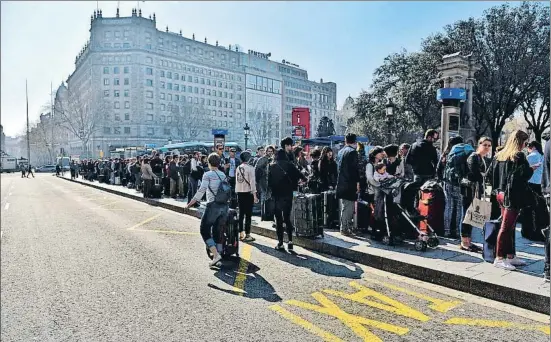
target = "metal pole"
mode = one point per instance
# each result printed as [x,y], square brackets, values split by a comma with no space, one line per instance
[28,135]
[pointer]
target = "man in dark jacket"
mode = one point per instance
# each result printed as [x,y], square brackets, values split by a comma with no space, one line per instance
[348,182]
[157,165]
[261,174]
[287,145]
[283,179]
[174,176]
[423,157]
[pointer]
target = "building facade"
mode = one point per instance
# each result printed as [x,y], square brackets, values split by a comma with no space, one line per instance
[344,114]
[2,139]
[147,86]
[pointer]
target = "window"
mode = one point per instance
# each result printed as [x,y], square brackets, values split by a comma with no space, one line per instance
[163,118]
[107,34]
[169,118]
[176,76]
[239,106]
[231,96]
[190,99]
[163,107]
[116,70]
[231,105]
[169,97]
[106,93]
[208,91]
[202,80]
[126,93]
[149,117]
[149,71]
[117,105]
[162,73]
[239,96]
[208,82]
[149,60]
[189,89]
[117,34]
[219,94]
[168,74]
[176,98]
[116,93]
[116,81]
[208,102]
[176,87]
[150,130]
[116,130]
[126,104]
[105,81]
[162,96]
[196,80]
[225,104]
[126,81]
[127,116]
[196,100]
[169,86]
[162,85]
[167,131]
[117,117]
[225,95]
[203,91]
[219,113]
[149,105]
[196,90]
[126,45]
[106,130]
[127,130]
[106,70]
[149,83]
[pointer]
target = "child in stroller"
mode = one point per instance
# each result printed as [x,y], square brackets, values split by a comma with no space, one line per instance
[391,208]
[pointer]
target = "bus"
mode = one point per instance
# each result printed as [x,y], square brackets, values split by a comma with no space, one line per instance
[8,164]
[63,162]
[197,146]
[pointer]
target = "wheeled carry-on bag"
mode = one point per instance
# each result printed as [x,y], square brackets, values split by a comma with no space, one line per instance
[157,188]
[330,210]
[227,243]
[363,215]
[307,215]
[490,231]
[432,202]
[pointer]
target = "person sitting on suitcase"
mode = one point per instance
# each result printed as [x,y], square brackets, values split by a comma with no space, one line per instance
[283,179]
[212,181]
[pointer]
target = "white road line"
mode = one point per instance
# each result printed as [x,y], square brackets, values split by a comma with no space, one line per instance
[7,206]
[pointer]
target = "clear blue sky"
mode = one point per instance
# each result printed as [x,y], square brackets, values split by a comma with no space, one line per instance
[337,41]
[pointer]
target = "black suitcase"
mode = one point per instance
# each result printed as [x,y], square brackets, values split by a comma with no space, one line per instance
[227,242]
[330,210]
[490,231]
[307,215]
[362,215]
[268,209]
[101,178]
[156,188]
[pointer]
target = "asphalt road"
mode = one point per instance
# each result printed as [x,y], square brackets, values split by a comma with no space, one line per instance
[79,264]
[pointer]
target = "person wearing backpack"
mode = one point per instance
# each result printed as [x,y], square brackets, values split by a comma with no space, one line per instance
[245,187]
[218,191]
[451,170]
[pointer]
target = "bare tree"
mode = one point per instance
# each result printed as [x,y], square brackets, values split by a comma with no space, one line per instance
[81,114]
[263,126]
[188,119]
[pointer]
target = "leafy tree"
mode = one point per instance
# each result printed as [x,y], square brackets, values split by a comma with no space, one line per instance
[512,46]
[535,106]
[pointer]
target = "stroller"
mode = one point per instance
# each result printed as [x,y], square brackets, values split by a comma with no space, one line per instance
[393,188]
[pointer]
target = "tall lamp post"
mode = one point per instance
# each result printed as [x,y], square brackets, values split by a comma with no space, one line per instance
[389,117]
[246,131]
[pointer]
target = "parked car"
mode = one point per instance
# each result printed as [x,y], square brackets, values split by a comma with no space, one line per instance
[46,168]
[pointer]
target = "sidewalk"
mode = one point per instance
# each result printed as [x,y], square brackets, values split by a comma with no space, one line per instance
[445,265]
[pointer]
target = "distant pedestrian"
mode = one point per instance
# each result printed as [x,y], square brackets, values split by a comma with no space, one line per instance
[348,182]
[30,171]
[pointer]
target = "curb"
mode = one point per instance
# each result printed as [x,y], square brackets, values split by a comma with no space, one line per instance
[522,299]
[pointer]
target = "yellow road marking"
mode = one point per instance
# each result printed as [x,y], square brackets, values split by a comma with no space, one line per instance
[165,231]
[144,222]
[354,322]
[497,324]
[241,278]
[391,305]
[436,304]
[327,336]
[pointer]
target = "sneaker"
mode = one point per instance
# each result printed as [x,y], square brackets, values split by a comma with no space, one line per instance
[215,260]
[504,264]
[248,238]
[516,262]
[280,248]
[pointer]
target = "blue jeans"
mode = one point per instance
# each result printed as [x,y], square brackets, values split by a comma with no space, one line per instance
[193,184]
[454,204]
[211,221]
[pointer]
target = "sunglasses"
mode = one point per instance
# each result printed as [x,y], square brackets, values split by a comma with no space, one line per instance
[220,149]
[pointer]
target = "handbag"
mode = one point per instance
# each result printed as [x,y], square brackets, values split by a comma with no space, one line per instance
[479,211]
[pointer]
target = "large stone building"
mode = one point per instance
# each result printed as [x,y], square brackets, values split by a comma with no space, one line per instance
[146,86]
[344,114]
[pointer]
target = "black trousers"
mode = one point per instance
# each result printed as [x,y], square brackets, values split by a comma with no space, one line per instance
[147,184]
[283,207]
[245,201]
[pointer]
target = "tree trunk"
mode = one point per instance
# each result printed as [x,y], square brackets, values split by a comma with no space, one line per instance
[537,135]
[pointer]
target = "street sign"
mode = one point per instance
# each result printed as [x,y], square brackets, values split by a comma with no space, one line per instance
[451,94]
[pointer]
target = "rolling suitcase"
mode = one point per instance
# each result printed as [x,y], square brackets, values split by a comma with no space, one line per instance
[227,242]
[363,216]
[307,215]
[330,210]
[156,189]
[432,202]
[490,231]
[101,178]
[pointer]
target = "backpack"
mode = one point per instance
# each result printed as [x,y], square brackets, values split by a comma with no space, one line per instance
[456,163]
[223,195]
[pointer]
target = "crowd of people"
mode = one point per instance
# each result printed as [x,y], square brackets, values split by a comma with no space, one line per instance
[513,179]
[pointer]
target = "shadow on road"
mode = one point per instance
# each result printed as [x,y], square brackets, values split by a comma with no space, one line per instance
[316,265]
[255,286]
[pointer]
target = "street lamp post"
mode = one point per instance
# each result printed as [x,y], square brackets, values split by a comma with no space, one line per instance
[246,130]
[389,117]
